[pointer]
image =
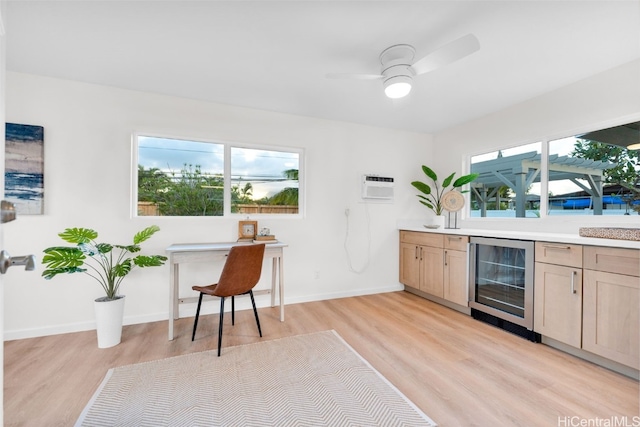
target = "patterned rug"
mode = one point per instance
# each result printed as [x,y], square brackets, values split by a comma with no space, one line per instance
[306,380]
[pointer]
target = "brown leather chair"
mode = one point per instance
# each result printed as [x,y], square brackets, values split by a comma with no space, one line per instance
[240,274]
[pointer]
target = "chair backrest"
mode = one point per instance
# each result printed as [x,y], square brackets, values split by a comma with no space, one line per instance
[241,271]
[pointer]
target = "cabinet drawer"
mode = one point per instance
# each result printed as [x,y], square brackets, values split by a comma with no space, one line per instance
[423,239]
[559,254]
[456,243]
[612,260]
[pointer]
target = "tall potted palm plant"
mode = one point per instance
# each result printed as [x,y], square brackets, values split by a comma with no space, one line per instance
[106,263]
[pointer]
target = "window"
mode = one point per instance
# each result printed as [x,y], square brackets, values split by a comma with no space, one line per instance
[593,173]
[508,184]
[264,181]
[179,177]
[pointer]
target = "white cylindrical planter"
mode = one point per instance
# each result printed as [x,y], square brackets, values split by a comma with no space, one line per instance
[438,221]
[109,316]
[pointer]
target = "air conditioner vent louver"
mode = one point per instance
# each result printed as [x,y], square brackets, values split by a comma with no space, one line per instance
[377,187]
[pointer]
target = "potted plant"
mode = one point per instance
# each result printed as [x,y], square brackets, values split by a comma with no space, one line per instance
[432,197]
[106,263]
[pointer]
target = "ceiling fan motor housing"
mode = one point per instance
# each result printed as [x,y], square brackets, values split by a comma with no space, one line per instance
[396,64]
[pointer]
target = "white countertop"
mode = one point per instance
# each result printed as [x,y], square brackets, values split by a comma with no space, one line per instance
[522,235]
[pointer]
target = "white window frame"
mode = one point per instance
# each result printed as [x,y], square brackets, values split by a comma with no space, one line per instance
[226,175]
[544,171]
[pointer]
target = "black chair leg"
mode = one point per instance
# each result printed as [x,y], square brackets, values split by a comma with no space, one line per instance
[195,323]
[220,326]
[253,302]
[233,310]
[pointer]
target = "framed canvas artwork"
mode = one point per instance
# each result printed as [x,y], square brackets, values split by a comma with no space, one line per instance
[24,168]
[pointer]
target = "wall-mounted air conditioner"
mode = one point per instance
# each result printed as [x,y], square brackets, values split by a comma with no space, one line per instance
[377,187]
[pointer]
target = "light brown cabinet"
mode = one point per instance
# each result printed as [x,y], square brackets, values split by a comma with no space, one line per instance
[435,264]
[557,309]
[589,298]
[611,304]
[410,264]
[455,270]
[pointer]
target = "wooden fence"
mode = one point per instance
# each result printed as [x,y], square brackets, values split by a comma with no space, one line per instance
[267,209]
[151,209]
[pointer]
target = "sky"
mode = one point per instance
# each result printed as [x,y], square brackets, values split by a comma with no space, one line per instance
[263,168]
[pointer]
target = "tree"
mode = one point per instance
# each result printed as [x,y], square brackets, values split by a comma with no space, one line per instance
[289,195]
[242,194]
[286,197]
[193,193]
[626,173]
[291,174]
[151,184]
[627,161]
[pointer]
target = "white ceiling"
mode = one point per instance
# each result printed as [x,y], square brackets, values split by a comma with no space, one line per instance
[274,55]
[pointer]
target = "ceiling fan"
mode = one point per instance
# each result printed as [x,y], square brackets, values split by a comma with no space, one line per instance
[398,68]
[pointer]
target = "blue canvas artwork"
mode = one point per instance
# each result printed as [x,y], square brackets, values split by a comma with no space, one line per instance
[24,168]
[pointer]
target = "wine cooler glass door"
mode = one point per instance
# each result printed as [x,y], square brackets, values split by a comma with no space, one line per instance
[503,280]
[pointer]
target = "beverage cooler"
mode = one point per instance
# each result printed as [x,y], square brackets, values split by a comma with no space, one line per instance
[501,284]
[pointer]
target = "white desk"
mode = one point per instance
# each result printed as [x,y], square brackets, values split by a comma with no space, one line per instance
[211,252]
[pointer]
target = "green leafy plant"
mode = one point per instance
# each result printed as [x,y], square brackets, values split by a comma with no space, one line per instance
[432,197]
[109,263]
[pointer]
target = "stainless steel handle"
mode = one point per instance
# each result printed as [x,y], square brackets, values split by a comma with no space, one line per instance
[6,261]
[7,211]
[573,276]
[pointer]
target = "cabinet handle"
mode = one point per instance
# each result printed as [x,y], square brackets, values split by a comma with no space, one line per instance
[445,257]
[416,252]
[556,246]
[420,253]
[454,238]
[573,276]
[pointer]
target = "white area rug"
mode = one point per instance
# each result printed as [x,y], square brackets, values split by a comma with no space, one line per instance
[306,380]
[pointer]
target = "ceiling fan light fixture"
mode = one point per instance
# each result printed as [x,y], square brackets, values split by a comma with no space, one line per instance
[397,87]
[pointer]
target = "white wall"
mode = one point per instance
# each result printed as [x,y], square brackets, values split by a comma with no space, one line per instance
[87,183]
[88,132]
[607,99]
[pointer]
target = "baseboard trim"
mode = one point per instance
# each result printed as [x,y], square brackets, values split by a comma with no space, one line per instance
[188,311]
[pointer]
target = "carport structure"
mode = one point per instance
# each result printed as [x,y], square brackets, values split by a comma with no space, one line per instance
[519,171]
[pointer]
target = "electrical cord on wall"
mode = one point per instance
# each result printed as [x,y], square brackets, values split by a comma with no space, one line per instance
[346,240]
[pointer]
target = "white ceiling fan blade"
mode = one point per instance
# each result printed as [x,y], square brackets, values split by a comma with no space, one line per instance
[447,54]
[354,76]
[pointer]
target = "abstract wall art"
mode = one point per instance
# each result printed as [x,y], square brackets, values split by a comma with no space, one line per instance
[24,168]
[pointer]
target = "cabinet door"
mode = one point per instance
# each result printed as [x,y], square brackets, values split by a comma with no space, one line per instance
[455,277]
[557,309]
[410,265]
[431,271]
[611,306]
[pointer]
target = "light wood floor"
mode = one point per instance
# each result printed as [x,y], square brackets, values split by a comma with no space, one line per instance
[459,371]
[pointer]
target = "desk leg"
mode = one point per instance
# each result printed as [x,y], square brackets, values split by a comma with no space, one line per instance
[274,266]
[281,283]
[173,296]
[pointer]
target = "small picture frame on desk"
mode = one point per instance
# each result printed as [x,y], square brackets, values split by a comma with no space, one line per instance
[247,230]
